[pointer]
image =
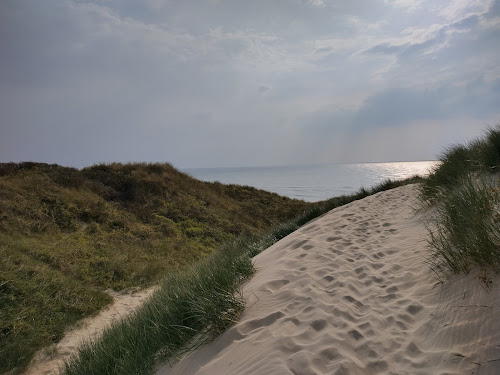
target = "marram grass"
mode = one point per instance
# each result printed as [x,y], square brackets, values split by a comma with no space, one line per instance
[465,189]
[67,235]
[198,303]
[465,232]
[191,307]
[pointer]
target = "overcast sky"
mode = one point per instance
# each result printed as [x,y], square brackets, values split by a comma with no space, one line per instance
[205,83]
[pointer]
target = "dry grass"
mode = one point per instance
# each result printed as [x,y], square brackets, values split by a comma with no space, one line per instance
[465,188]
[66,235]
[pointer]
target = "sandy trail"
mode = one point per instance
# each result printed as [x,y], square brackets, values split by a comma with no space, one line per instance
[48,361]
[349,293]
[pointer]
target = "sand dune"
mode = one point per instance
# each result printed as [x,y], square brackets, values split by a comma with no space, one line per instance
[349,293]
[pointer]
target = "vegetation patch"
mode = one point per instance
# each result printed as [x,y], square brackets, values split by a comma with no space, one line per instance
[192,307]
[465,189]
[67,235]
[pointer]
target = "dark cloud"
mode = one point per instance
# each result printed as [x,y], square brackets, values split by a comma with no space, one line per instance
[399,106]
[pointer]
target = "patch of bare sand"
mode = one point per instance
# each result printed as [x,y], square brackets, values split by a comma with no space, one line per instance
[349,293]
[49,361]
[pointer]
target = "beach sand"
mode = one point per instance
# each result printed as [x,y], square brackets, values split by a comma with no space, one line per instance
[349,293]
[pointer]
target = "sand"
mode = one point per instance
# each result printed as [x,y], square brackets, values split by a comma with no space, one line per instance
[349,293]
[48,361]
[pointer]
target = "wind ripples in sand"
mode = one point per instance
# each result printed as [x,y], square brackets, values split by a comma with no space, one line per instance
[349,293]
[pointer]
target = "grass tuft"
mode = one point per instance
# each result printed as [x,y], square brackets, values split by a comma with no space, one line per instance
[466,230]
[465,189]
[481,156]
[190,308]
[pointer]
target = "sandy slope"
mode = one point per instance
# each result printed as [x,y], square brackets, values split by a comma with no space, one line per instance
[349,294]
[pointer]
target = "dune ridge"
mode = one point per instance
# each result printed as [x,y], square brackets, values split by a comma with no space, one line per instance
[349,293]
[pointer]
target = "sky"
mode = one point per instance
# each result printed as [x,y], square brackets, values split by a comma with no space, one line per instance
[227,83]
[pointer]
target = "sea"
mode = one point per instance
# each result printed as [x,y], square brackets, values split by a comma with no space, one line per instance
[313,183]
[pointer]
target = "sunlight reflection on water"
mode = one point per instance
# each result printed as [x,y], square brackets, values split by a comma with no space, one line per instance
[314,182]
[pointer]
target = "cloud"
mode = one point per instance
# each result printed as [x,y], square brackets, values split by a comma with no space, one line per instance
[317,3]
[459,9]
[399,106]
[264,89]
[407,5]
[323,50]
[467,23]
[185,81]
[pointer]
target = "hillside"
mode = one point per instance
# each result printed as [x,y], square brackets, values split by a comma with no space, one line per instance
[67,235]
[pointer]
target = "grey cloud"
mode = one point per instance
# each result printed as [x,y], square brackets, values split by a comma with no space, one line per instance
[479,99]
[264,89]
[401,106]
[421,49]
[390,108]
[467,23]
[323,50]
[191,81]
[411,48]
[233,47]
[386,48]
[494,10]
[396,107]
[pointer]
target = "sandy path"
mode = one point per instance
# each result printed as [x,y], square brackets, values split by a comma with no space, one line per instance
[349,294]
[48,361]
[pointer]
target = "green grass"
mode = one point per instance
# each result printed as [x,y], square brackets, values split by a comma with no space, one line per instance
[465,189]
[198,303]
[67,235]
[36,305]
[463,161]
[194,306]
[466,230]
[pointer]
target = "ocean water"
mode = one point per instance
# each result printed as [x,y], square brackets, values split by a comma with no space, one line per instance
[313,183]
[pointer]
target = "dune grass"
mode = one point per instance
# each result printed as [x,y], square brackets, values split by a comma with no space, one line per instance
[67,235]
[194,306]
[465,232]
[465,189]
[462,162]
[68,227]
[197,303]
